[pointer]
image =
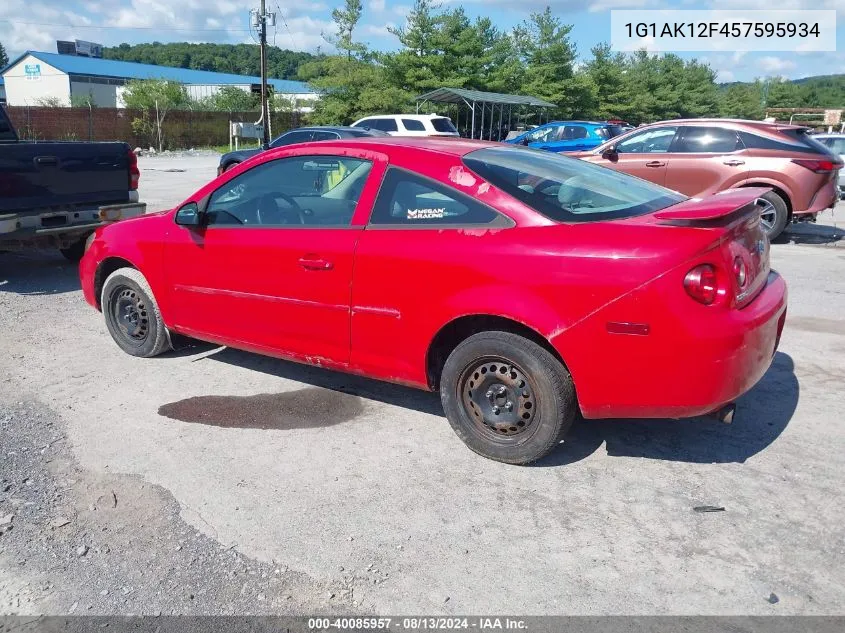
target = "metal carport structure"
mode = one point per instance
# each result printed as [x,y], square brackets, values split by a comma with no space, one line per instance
[476,100]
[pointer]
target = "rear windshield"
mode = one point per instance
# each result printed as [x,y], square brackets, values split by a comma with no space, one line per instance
[794,140]
[443,124]
[567,189]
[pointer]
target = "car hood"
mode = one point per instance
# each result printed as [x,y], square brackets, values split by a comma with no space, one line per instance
[239,155]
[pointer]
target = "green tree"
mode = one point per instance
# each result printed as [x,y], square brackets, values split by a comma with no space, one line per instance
[743,101]
[351,89]
[154,98]
[416,67]
[544,45]
[234,99]
[83,100]
[346,19]
[4,58]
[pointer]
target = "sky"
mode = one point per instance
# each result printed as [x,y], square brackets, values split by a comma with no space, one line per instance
[37,24]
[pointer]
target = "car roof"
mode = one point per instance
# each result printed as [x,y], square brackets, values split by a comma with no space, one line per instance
[404,116]
[577,122]
[829,135]
[747,123]
[451,145]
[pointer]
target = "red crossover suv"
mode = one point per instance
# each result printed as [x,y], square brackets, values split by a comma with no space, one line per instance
[698,157]
[522,285]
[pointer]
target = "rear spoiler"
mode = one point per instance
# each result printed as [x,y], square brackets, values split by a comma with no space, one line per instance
[715,207]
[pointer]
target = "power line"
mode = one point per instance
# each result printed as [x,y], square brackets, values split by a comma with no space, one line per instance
[125,28]
[287,28]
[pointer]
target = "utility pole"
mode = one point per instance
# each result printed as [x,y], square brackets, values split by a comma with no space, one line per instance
[259,20]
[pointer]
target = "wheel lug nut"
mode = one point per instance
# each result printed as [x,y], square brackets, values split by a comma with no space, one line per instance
[489,393]
[509,405]
[496,410]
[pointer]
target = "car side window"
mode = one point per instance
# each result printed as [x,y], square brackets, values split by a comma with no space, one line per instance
[322,135]
[694,139]
[412,200]
[836,145]
[575,132]
[412,125]
[295,191]
[387,125]
[545,134]
[297,136]
[652,141]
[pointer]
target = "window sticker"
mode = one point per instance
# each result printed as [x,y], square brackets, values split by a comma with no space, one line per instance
[426,214]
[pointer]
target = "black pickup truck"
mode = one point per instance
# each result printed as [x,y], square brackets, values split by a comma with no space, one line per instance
[54,194]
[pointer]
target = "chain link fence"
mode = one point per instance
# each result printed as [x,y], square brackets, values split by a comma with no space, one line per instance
[183,129]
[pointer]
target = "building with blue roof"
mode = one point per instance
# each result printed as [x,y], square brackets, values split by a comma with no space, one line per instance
[36,77]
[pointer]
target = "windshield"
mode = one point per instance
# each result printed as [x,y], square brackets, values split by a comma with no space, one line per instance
[567,189]
[443,124]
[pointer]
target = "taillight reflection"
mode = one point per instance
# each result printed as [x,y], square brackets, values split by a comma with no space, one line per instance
[818,166]
[740,272]
[702,283]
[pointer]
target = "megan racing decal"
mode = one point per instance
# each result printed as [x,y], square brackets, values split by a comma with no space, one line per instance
[426,214]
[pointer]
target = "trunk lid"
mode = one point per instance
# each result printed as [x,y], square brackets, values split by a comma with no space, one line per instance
[743,242]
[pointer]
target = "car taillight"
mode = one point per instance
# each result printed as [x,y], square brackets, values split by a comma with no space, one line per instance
[702,283]
[134,172]
[818,166]
[740,272]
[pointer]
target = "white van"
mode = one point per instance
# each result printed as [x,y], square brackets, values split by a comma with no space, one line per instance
[409,124]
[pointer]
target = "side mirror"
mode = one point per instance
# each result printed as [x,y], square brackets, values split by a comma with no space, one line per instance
[190,215]
[610,154]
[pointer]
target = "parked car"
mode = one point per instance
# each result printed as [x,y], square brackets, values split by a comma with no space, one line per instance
[409,124]
[703,156]
[567,136]
[54,195]
[299,135]
[836,144]
[523,285]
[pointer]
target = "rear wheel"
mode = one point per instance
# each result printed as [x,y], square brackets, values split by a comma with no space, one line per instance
[231,166]
[506,397]
[132,314]
[773,214]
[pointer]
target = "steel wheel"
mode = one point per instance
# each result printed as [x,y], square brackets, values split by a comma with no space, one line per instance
[498,396]
[130,315]
[768,214]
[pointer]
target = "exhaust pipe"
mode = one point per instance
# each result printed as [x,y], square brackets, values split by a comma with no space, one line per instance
[726,413]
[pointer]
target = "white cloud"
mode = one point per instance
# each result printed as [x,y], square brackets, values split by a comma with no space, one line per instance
[775,65]
[377,5]
[725,76]
[147,20]
[378,30]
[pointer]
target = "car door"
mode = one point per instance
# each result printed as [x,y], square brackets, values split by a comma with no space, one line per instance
[419,232]
[645,154]
[544,136]
[706,159]
[271,266]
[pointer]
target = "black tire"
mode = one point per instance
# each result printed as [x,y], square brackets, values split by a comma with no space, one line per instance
[132,314]
[774,213]
[536,385]
[75,251]
[231,165]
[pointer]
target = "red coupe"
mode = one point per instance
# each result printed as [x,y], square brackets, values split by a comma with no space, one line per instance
[523,285]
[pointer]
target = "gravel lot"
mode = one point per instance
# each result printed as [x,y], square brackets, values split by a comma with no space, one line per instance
[124,489]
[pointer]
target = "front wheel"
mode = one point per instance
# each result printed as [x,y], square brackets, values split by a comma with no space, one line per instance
[506,397]
[132,315]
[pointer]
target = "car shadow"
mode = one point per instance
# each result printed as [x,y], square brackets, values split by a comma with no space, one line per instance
[37,272]
[397,395]
[809,233]
[762,415]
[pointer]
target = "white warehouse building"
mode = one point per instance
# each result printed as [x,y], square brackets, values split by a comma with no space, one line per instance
[36,77]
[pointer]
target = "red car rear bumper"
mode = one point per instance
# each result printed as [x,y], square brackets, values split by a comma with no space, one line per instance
[687,365]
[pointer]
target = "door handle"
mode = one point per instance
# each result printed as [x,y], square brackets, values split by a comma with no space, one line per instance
[733,163]
[46,160]
[309,263]
[655,163]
